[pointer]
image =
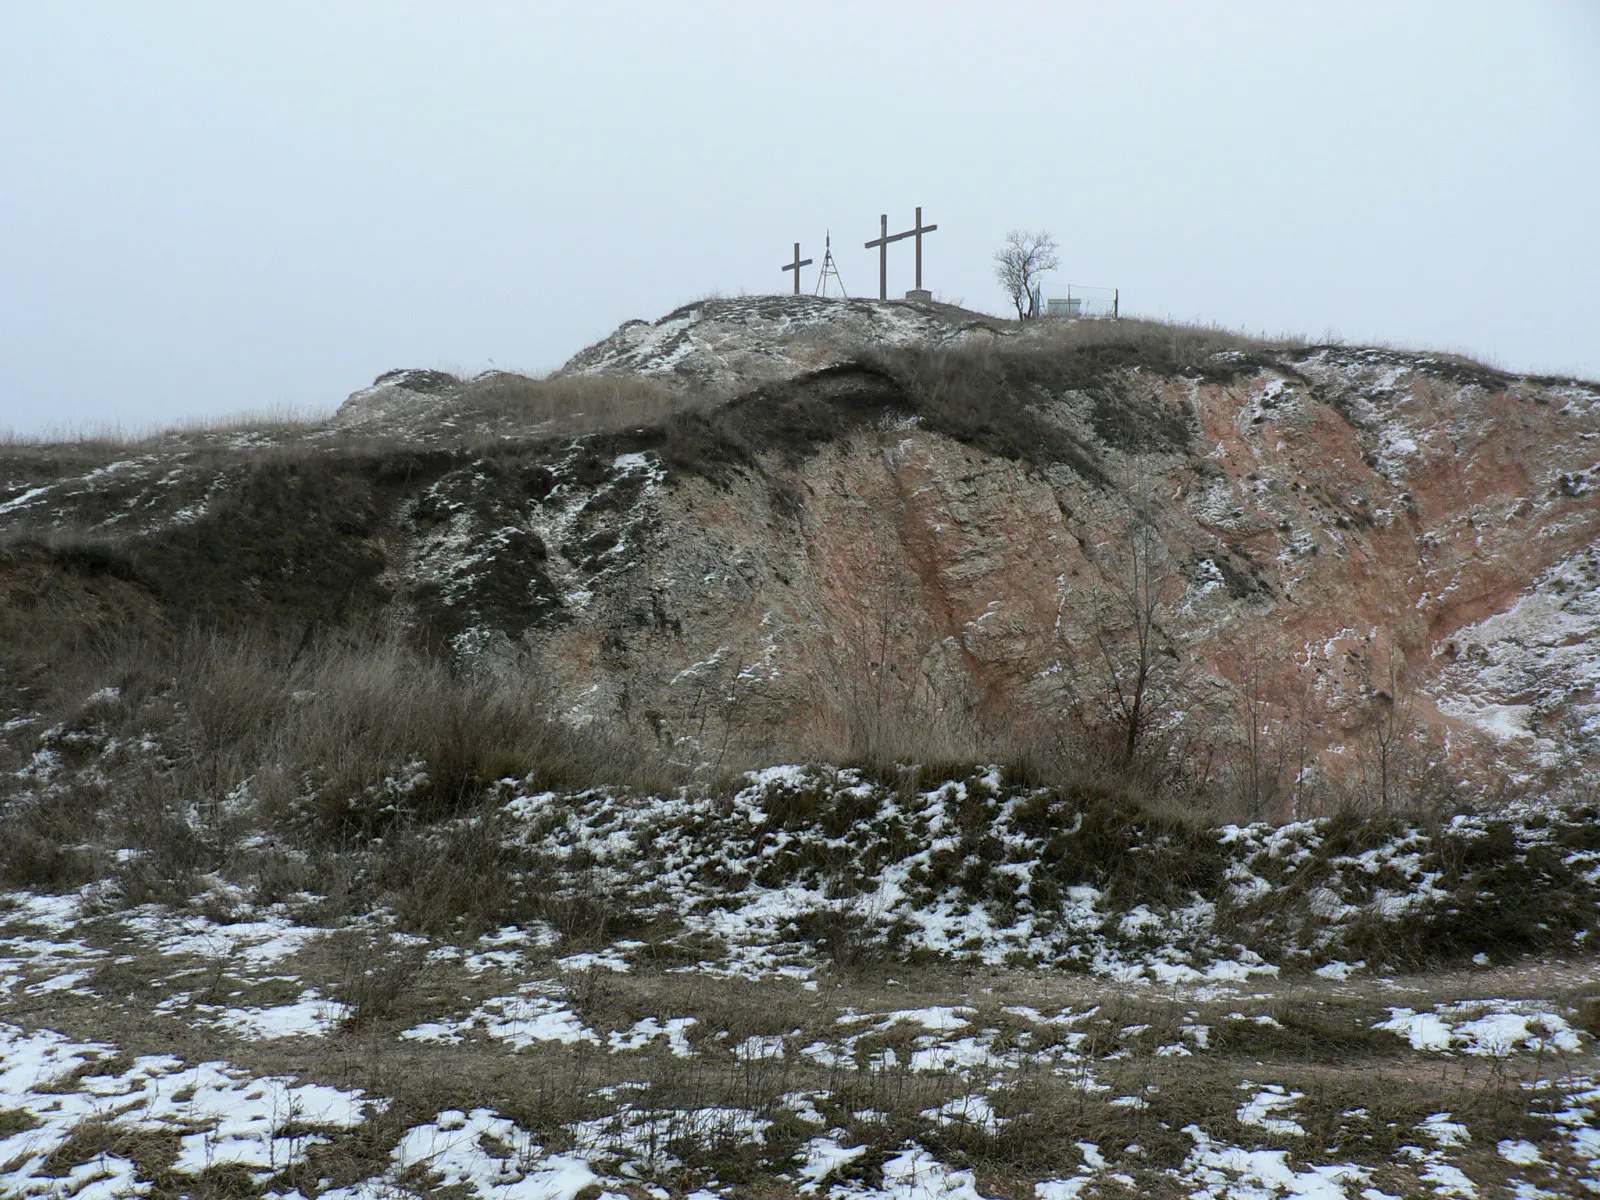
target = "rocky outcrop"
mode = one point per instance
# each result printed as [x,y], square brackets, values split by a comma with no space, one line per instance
[1336,536]
[725,346]
[396,397]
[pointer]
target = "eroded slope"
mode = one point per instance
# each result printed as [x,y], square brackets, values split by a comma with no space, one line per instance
[940,535]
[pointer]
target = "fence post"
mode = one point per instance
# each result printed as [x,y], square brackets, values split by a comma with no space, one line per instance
[1116,304]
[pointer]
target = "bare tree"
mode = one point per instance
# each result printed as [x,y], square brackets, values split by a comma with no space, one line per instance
[1299,699]
[1133,646]
[1389,704]
[1127,679]
[1263,749]
[1272,725]
[1020,264]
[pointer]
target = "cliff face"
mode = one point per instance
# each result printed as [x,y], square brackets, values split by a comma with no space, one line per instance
[1336,517]
[1335,540]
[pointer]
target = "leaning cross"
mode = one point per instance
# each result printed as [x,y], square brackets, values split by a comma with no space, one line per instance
[806,262]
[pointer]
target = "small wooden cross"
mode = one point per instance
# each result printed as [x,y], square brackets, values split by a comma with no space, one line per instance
[806,262]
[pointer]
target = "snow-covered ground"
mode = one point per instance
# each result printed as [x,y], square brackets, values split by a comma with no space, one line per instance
[980,870]
[86,1119]
[56,1092]
[1128,1042]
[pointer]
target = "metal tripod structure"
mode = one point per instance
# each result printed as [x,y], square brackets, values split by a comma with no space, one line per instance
[830,270]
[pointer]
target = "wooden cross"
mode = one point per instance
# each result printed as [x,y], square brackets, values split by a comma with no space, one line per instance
[917,231]
[882,243]
[806,262]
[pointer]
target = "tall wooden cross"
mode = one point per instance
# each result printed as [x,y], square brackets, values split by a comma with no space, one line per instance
[806,262]
[882,243]
[917,231]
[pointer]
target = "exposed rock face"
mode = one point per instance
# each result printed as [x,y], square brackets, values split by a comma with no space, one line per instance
[1320,516]
[1339,510]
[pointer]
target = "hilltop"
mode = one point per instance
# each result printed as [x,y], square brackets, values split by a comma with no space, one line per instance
[726,346]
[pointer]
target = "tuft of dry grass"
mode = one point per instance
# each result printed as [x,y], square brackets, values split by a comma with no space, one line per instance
[379,979]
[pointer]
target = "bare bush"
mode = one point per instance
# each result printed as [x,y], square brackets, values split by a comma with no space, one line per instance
[1135,649]
[1400,761]
[460,880]
[1269,742]
[378,978]
[1388,703]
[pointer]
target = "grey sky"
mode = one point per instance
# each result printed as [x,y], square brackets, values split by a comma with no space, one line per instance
[209,208]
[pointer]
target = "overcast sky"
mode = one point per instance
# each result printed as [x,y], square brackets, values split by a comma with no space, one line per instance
[211,208]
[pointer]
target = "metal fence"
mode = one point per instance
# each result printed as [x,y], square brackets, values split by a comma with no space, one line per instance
[1082,301]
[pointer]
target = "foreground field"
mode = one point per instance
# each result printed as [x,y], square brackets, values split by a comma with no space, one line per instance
[167,1053]
[814,982]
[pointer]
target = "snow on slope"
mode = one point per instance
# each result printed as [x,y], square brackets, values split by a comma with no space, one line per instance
[1531,672]
[85,1118]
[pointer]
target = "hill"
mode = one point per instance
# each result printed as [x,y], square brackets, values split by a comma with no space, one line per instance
[910,524]
[813,747]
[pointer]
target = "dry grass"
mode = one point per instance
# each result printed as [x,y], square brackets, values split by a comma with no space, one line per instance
[1183,342]
[380,980]
[569,406]
[487,409]
[348,747]
[995,395]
